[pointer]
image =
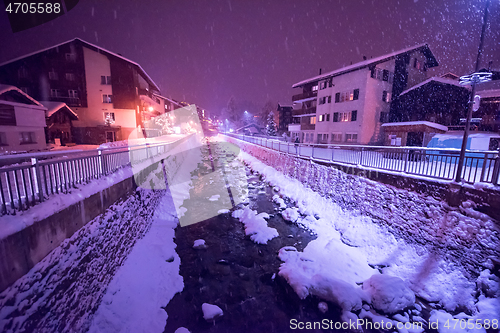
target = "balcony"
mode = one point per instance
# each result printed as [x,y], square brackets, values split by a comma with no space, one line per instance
[305,96]
[305,111]
[293,127]
[307,127]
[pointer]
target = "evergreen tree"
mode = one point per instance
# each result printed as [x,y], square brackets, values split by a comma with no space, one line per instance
[271,125]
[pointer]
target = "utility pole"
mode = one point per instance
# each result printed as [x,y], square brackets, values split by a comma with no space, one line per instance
[475,79]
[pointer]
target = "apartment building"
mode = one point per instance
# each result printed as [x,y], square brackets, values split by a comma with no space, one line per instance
[348,105]
[109,93]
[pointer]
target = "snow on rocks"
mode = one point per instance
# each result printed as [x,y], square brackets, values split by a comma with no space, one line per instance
[214,197]
[389,294]
[223,211]
[211,311]
[279,201]
[199,244]
[290,214]
[255,225]
[323,307]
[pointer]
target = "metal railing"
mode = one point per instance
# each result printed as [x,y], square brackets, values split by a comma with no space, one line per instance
[439,163]
[29,179]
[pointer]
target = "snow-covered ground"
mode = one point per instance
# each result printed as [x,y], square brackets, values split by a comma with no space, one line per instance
[343,266]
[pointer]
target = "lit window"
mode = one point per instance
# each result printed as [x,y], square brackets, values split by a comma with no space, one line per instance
[70,76]
[109,116]
[313,120]
[107,98]
[351,137]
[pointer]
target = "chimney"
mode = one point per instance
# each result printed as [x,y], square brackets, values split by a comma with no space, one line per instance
[320,71]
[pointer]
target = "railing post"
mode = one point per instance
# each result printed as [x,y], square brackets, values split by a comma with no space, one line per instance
[483,169]
[99,154]
[361,156]
[312,152]
[496,170]
[407,153]
[279,146]
[37,177]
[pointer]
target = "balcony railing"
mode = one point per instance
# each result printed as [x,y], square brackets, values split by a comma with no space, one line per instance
[305,111]
[307,126]
[304,96]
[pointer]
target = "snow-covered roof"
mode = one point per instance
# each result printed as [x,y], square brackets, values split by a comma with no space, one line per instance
[433,79]
[88,45]
[53,107]
[413,123]
[366,63]
[6,88]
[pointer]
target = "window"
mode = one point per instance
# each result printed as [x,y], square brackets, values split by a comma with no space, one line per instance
[26,137]
[327,117]
[53,75]
[105,79]
[321,117]
[70,76]
[109,117]
[329,99]
[347,96]
[351,137]
[330,83]
[336,137]
[354,115]
[107,98]
[7,115]
[335,117]
[386,96]
[73,93]
[3,139]
[384,117]
[22,73]
[54,93]
[313,120]
[70,57]
[314,88]
[323,85]
[344,116]
[385,75]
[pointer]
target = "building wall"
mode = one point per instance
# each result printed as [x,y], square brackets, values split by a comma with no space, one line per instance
[28,119]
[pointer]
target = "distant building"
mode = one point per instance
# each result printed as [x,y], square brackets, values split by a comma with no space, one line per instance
[109,93]
[59,119]
[285,117]
[22,121]
[488,114]
[349,105]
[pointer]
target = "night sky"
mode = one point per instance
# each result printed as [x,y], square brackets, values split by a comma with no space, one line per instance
[204,52]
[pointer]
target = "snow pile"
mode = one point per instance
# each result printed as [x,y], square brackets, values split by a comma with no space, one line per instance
[199,244]
[211,311]
[389,294]
[255,225]
[279,201]
[328,269]
[182,330]
[489,284]
[290,214]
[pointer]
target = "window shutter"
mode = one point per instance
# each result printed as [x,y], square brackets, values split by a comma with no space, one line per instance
[356,94]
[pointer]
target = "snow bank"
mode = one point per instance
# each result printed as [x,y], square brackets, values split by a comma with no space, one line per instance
[146,282]
[255,225]
[389,294]
[199,244]
[290,214]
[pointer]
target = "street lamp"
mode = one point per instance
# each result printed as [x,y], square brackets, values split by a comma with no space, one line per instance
[473,79]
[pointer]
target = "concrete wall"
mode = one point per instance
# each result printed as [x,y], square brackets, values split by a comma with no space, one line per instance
[21,251]
[460,221]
